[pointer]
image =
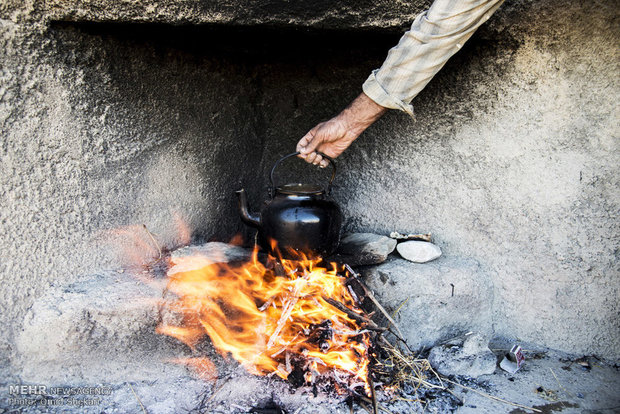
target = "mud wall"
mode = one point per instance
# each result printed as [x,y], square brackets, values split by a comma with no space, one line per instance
[112,115]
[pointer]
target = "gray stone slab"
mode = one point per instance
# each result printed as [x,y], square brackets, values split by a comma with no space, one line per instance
[358,249]
[101,328]
[428,309]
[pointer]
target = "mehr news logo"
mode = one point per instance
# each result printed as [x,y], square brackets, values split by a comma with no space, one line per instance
[41,395]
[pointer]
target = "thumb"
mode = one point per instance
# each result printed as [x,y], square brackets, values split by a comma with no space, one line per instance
[309,142]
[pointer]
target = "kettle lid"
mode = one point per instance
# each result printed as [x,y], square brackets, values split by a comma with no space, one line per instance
[300,189]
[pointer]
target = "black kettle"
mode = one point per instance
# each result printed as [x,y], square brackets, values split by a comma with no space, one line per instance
[298,218]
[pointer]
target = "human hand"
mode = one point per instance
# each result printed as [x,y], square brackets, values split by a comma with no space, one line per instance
[330,138]
[334,136]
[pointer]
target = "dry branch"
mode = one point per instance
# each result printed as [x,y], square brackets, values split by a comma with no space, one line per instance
[422,237]
[373,394]
[369,324]
[154,242]
[136,395]
[374,300]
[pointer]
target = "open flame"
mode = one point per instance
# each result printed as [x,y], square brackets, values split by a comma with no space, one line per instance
[274,320]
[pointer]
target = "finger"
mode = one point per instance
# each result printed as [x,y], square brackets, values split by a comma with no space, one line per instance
[317,159]
[310,157]
[305,140]
[315,139]
[324,163]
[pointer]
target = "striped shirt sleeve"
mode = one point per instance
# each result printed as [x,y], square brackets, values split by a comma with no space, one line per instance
[434,37]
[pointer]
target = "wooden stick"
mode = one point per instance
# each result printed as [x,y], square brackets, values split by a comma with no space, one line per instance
[359,318]
[558,381]
[135,395]
[492,397]
[373,395]
[369,401]
[369,294]
[218,389]
[364,407]
[154,241]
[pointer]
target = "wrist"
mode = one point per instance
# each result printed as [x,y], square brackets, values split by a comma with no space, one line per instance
[361,114]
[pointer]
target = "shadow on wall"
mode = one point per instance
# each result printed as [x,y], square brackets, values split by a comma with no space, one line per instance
[185,111]
[218,93]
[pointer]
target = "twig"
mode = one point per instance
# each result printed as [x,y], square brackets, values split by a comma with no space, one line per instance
[400,307]
[492,397]
[359,318]
[364,407]
[218,389]
[455,396]
[286,312]
[373,395]
[423,237]
[369,401]
[370,295]
[154,241]
[558,381]
[135,395]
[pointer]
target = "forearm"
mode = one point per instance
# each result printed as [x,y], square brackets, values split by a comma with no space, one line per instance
[434,37]
[360,114]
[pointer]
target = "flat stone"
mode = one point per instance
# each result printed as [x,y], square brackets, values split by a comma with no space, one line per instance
[467,355]
[198,256]
[107,319]
[436,301]
[418,251]
[359,249]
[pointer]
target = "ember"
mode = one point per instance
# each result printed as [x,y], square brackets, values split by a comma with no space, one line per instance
[290,318]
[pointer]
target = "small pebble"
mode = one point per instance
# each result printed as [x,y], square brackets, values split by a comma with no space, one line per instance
[580,395]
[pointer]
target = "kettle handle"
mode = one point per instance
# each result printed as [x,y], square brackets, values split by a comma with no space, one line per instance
[272,189]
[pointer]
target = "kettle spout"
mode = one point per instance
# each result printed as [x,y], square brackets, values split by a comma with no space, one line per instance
[251,219]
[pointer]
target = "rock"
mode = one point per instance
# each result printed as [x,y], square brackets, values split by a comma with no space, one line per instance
[195,257]
[418,251]
[468,356]
[359,249]
[107,319]
[429,308]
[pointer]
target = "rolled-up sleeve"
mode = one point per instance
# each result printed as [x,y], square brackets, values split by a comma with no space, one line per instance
[434,37]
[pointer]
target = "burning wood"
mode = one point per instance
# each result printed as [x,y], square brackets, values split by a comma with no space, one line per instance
[290,319]
[301,322]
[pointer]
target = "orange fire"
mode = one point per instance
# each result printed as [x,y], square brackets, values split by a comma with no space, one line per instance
[272,322]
